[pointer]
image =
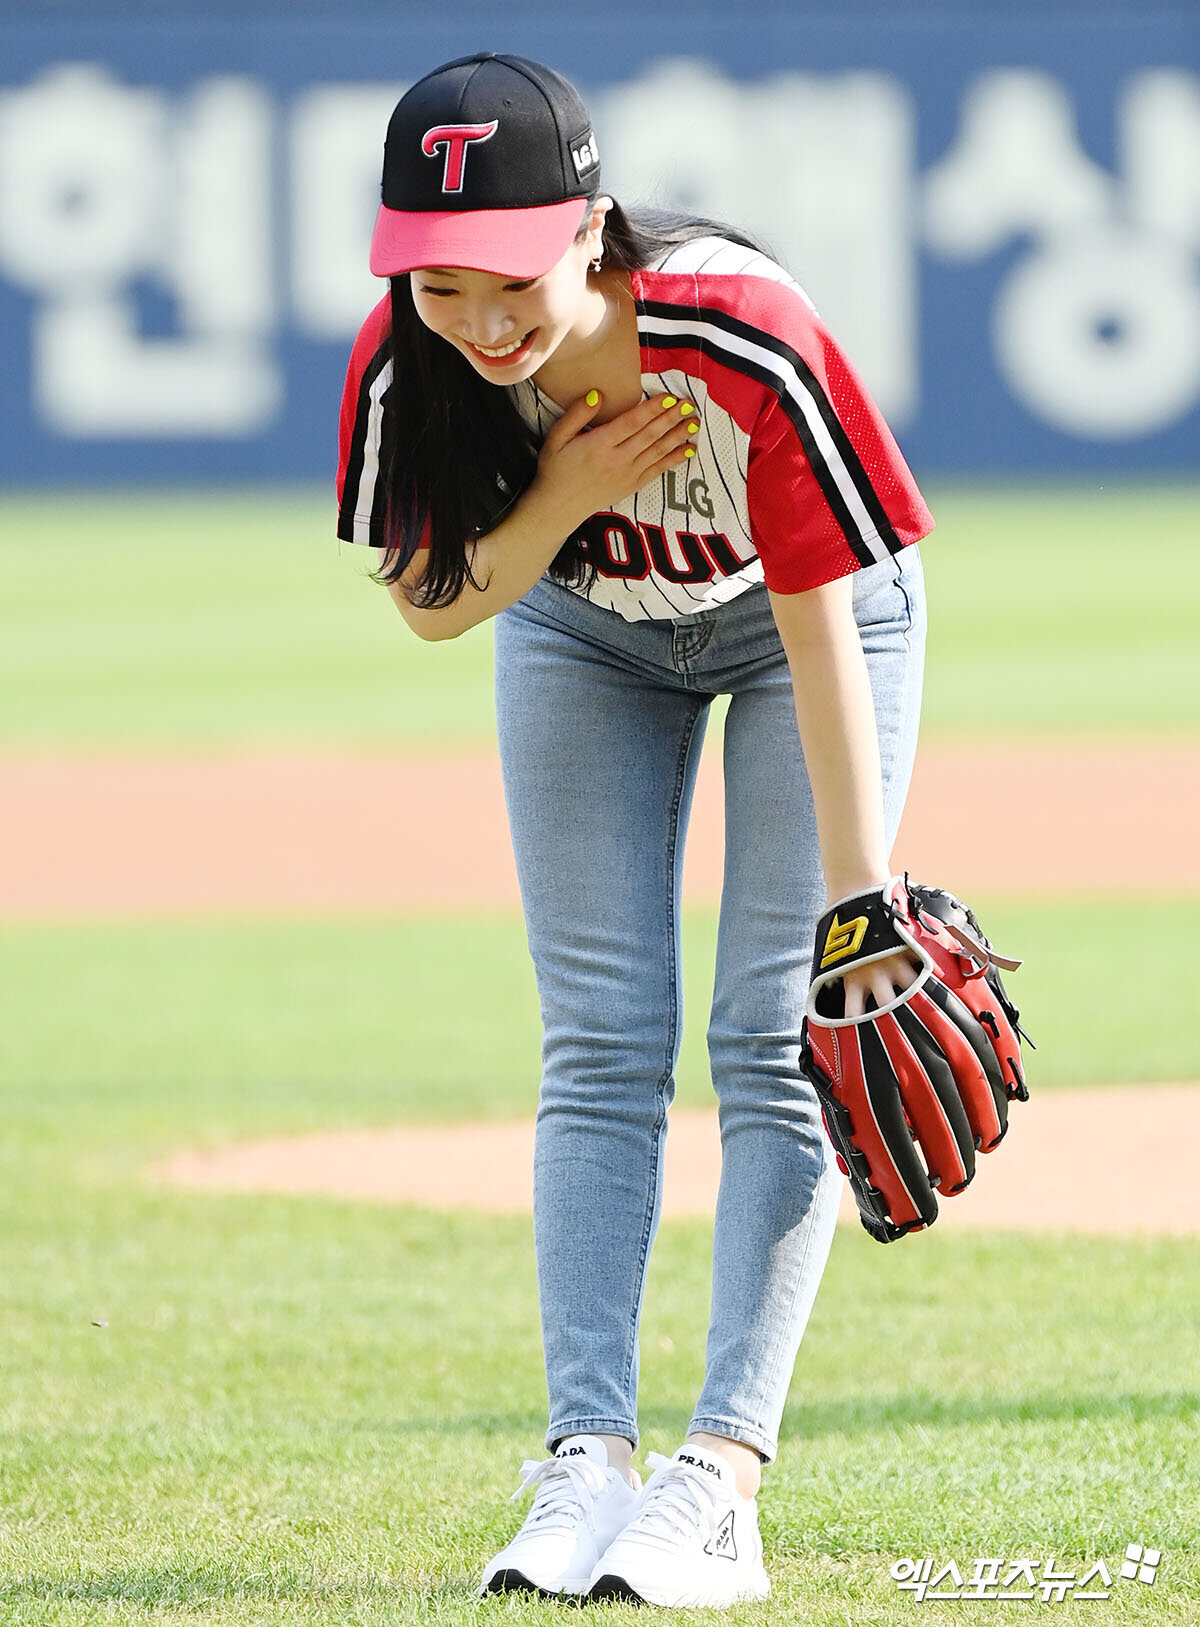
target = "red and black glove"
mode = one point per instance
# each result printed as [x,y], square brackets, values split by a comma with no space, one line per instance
[929,1075]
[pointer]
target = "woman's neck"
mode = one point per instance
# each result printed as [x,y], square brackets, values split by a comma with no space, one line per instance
[601,354]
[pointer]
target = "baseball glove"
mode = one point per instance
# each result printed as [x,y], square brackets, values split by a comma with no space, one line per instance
[935,1069]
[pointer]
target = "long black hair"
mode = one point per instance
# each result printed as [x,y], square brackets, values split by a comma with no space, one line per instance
[455,453]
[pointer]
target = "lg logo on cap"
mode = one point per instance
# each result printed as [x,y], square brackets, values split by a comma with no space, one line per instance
[455,138]
[586,155]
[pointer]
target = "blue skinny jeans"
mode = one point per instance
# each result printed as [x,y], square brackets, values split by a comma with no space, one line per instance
[600,726]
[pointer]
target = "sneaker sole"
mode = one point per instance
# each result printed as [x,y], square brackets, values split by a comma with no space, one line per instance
[615,1587]
[515,1581]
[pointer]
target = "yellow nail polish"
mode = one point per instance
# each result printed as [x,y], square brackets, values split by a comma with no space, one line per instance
[592,398]
[686,408]
[668,401]
[689,451]
[693,429]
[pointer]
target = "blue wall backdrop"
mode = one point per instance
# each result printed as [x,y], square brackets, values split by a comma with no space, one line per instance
[996,209]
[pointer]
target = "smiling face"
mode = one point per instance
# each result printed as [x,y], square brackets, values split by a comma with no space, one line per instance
[507,328]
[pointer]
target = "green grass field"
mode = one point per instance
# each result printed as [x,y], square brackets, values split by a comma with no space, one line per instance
[309,1411]
[267,1410]
[207,1031]
[174,621]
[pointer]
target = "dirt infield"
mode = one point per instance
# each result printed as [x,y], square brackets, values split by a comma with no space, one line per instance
[153,836]
[1073,1160]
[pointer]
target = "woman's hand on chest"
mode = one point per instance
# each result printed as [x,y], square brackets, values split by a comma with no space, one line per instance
[587,463]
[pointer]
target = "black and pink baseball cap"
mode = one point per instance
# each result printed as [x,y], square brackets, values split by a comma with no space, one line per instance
[488,164]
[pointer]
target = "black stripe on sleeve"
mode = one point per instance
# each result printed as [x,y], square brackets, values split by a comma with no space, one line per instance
[820,468]
[354,464]
[722,321]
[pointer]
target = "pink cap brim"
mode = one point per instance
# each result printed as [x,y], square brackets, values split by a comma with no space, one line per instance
[509,242]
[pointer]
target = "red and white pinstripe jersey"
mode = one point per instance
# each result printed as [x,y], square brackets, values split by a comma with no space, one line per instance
[797,479]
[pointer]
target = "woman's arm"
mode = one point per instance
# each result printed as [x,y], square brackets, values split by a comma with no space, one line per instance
[505,563]
[579,469]
[836,717]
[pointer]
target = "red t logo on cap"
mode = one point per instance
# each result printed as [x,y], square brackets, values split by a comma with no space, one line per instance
[454,137]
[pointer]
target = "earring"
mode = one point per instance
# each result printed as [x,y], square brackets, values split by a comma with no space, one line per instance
[596,263]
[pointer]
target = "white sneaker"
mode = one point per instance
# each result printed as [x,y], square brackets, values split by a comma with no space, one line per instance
[579,1505]
[692,1540]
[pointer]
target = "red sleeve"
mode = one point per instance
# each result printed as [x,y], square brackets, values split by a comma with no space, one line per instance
[827,488]
[360,495]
